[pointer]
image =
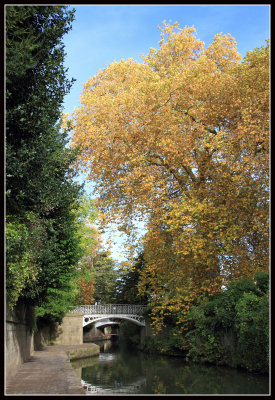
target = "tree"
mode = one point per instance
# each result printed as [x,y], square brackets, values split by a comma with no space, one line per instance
[182,141]
[91,244]
[42,242]
[127,285]
[22,246]
[36,83]
[105,278]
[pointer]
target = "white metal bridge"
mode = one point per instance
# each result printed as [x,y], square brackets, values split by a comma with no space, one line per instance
[108,314]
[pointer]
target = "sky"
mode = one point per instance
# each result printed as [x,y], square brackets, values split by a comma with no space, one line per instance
[102,34]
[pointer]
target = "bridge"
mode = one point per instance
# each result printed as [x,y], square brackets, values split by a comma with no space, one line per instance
[98,316]
[109,314]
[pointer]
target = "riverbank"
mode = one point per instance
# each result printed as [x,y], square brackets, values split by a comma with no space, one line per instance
[49,371]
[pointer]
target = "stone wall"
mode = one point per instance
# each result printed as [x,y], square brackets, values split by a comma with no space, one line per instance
[45,335]
[71,330]
[19,336]
[22,339]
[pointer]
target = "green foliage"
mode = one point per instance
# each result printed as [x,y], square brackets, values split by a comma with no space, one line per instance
[252,323]
[262,282]
[127,285]
[105,278]
[42,257]
[232,327]
[90,244]
[55,305]
[57,260]
[169,343]
[87,210]
[21,253]
[88,235]
[36,85]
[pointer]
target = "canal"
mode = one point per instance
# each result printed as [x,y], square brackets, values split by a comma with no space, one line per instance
[121,370]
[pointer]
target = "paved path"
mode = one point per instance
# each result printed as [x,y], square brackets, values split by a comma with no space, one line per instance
[47,372]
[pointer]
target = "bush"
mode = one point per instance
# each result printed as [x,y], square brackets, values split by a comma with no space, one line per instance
[232,328]
[165,342]
[252,323]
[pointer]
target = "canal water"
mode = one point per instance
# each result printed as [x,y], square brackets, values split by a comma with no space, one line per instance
[120,370]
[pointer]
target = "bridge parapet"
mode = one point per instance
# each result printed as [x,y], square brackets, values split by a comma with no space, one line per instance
[111,309]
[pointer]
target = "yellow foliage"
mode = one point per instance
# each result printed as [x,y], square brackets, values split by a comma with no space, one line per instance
[182,139]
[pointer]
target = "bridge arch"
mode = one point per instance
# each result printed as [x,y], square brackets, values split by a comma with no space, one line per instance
[89,319]
[94,313]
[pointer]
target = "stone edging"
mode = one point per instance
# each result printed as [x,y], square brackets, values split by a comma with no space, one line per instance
[83,352]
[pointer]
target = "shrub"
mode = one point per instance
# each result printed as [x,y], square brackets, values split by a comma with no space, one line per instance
[252,323]
[232,327]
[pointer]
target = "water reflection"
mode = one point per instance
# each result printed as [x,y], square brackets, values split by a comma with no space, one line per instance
[130,388]
[119,370]
[106,345]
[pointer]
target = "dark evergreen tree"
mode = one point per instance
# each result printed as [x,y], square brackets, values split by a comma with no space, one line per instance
[42,196]
[35,87]
[105,278]
[127,285]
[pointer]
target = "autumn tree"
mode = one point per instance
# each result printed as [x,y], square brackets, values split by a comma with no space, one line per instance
[181,141]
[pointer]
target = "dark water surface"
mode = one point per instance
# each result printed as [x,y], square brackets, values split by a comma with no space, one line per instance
[118,370]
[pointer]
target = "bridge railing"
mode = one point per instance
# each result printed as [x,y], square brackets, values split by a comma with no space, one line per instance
[111,309]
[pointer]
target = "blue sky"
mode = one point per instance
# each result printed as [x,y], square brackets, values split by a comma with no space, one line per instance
[102,34]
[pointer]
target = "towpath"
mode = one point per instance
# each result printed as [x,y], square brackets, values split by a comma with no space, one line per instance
[48,371]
